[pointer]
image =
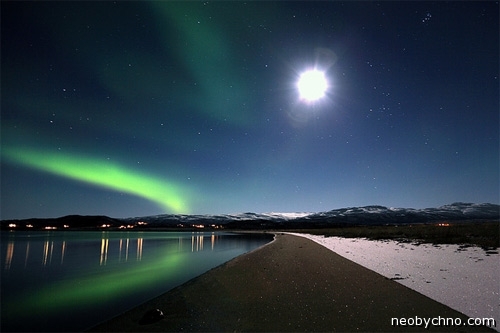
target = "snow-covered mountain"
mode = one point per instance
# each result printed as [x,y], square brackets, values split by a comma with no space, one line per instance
[350,215]
[381,214]
[374,215]
[216,219]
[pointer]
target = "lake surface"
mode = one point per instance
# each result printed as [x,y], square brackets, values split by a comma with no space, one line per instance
[73,280]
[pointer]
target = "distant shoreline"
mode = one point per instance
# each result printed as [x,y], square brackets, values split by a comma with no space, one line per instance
[484,233]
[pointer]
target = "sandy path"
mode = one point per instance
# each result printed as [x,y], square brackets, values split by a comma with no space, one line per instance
[466,279]
[291,284]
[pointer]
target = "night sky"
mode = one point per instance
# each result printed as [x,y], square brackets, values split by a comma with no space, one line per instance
[140,108]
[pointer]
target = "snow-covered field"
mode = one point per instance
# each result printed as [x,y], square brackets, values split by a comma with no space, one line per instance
[466,279]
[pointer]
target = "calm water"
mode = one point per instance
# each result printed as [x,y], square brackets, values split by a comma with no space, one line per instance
[70,281]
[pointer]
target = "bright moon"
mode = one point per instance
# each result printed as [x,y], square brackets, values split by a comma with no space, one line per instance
[312,85]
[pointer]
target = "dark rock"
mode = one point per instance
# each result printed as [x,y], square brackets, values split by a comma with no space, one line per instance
[152,316]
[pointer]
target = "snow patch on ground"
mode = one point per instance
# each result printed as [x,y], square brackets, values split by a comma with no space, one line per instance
[466,279]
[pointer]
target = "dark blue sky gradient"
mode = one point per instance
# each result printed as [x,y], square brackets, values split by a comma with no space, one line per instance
[203,95]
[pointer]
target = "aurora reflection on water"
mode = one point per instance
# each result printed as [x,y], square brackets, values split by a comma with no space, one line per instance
[69,281]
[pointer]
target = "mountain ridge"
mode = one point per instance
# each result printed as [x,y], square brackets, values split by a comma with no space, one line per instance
[364,215]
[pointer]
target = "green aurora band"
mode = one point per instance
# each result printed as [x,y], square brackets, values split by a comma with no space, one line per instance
[104,174]
[208,55]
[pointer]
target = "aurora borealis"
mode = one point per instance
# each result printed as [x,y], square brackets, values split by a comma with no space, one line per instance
[103,174]
[141,108]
